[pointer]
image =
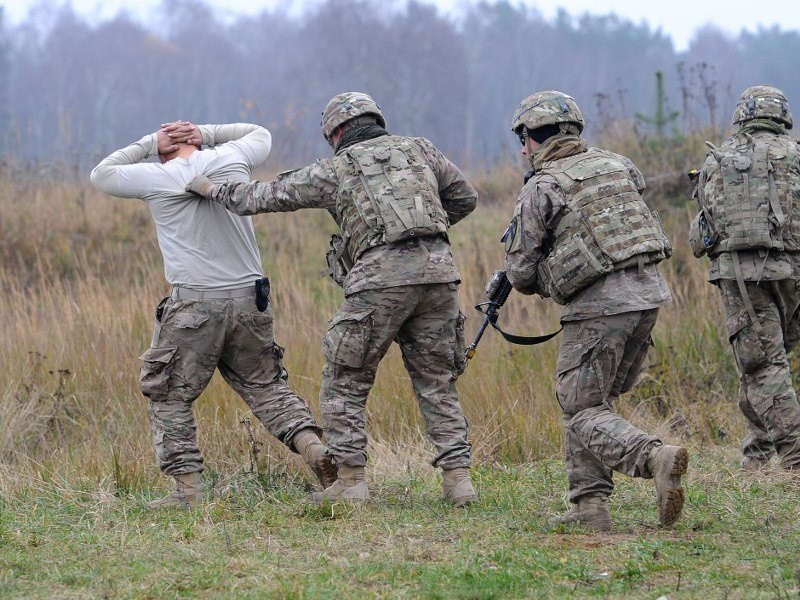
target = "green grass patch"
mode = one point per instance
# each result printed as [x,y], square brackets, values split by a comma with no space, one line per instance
[257,537]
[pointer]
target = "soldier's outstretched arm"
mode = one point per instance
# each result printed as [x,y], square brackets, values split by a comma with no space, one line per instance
[313,186]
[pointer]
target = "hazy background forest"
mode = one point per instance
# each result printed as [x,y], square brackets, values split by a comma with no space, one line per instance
[73,91]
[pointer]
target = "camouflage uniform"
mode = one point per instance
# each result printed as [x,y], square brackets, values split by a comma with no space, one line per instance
[404,291]
[193,338]
[752,234]
[607,322]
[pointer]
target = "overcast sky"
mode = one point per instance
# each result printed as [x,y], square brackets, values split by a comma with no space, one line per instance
[677,18]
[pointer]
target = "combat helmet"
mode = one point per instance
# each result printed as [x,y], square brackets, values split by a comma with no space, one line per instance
[346,106]
[763,102]
[546,108]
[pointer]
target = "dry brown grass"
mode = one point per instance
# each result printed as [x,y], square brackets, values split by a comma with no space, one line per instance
[81,274]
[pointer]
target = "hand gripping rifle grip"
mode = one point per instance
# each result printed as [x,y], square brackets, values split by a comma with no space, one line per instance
[502,291]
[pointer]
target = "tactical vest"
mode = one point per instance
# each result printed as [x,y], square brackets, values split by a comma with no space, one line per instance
[387,193]
[605,226]
[752,183]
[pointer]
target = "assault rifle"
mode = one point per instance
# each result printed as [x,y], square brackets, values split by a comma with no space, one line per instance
[497,291]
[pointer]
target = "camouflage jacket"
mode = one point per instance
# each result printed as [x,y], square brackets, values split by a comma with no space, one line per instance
[540,207]
[422,260]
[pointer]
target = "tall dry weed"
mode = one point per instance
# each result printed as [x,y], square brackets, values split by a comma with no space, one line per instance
[81,274]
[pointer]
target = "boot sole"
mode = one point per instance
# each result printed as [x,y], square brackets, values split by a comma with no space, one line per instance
[318,498]
[357,498]
[463,501]
[601,527]
[671,497]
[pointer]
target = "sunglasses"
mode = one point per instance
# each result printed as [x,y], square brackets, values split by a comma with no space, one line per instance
[522,134]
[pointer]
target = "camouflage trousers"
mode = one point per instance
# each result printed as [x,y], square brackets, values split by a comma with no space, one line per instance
[195,337]
[426,322]
[599,359]
[766,395]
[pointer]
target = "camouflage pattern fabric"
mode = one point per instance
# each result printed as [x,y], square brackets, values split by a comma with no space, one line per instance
[600,358]
[192,340]
[348,107]
[387,193]
[404,291]
[756,265]
[766,395]
[426,322]
[408,262]
[749,187]
[547,108]
[540,207]
[763,102]
[607,326]
[606,226]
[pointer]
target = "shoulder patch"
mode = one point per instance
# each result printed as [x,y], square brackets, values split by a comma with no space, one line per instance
[510,237]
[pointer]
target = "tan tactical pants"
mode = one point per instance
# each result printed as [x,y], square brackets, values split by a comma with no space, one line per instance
[194,338]
[426,322]
[766,395]
[599,359]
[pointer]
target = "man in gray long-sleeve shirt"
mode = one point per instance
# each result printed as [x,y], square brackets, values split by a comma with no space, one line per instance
[394,198]
[218,314]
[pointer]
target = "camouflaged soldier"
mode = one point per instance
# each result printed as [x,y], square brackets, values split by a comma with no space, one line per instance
[394,198]
[213,318]
[749,226]
[582,235]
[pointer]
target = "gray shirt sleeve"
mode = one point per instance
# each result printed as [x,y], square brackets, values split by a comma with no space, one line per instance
[252,141]
[111,176]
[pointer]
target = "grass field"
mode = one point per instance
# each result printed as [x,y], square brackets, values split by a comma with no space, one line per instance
[256,538]
[80,276]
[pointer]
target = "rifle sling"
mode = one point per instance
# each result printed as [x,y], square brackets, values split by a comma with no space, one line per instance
[525,340]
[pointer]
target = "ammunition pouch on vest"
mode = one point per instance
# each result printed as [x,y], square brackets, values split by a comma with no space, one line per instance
[387,193]
[702,234]
[751,185]
[606,225]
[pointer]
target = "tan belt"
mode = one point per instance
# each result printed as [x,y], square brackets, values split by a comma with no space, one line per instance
[183,293]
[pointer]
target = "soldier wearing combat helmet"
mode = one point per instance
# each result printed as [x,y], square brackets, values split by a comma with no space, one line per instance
[394,198]
[582,235]
[748,224]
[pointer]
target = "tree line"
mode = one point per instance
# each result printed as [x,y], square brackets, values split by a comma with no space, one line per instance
[73,91]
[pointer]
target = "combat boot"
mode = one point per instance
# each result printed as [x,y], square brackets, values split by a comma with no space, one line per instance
[186,495]
[350,486]
[667,464]
[312,450]
[457,487]
[590,512]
